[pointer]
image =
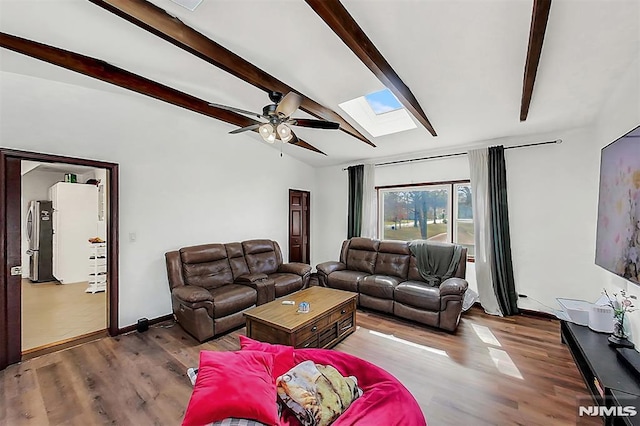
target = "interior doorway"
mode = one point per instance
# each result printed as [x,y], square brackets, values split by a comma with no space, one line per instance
[15,291]
[63,282]
[299,225]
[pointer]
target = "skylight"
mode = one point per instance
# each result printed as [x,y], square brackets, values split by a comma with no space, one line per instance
[379,113]
[382,102]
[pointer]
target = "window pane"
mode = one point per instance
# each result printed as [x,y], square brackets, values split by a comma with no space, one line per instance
[464,222]
[416,214]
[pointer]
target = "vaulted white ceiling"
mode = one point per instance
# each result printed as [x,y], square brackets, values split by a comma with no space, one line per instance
[463,60]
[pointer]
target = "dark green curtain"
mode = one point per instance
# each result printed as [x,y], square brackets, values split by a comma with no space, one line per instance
[354,220]
[502,267]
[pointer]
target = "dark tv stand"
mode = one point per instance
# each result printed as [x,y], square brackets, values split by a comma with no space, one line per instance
[611,380]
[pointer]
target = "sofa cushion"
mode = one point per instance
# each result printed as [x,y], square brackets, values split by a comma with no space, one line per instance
[203,253]
[418,295]
[209,275]
[396,247]
[238,264]
[260,256]
[413,274]
[286,283]
[345,280]
[361,260]
[257,246]
[380,286]
[393,264]
[360,243]
[232,298]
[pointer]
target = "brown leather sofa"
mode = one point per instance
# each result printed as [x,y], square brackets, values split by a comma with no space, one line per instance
[386,277]
[212,284]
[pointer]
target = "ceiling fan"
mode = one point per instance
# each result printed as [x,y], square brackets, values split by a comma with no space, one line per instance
[279,118]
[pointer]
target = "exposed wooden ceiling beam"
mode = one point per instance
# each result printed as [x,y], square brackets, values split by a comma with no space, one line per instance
[157,21]
[539,18]
[342,23]
[104,71]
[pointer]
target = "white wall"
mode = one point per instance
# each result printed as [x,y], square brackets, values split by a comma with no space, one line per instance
[183,179]
[35,186]
[552,211]
[618,115]
[329,222]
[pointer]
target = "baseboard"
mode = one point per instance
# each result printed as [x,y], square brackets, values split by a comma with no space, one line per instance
[528,312]
[64,344]
[539,314]
[153,321]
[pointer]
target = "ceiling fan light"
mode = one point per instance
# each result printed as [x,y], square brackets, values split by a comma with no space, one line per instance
[286,139]
[284,132]
[267,132]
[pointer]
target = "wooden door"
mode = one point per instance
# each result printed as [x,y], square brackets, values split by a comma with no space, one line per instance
[10,251]
[299,226]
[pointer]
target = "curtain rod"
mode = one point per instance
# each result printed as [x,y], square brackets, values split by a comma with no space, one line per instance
[557,141]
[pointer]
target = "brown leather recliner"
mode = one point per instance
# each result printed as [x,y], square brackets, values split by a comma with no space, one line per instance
[386,277]
[212,284]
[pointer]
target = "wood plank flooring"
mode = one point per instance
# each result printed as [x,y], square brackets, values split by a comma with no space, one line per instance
[493,371]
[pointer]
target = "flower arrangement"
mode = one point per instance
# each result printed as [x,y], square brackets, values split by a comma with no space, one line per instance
[620,308]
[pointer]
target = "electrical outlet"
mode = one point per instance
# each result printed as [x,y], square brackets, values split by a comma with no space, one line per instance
[132,237]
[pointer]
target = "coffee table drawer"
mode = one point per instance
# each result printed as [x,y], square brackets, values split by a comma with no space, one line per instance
[312,329]
[343,311]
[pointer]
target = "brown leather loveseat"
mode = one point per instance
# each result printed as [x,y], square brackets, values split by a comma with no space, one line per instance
[386,276]
[212,284]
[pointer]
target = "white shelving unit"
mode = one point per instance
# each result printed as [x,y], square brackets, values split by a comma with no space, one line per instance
[97,268]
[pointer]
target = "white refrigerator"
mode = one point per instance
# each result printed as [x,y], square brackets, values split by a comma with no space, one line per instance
[75,220]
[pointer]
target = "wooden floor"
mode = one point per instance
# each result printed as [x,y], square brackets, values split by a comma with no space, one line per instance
[493,371]
[54,312]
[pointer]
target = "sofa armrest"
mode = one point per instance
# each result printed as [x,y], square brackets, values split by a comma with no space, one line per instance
[250,278]
[264,286]
[329,267]
[301,269]
[453,286]
[192,294]
[174,269]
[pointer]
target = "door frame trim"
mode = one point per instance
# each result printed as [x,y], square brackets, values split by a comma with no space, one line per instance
[9,332]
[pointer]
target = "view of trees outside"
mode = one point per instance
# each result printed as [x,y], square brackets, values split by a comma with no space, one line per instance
[464,229]
[423,213]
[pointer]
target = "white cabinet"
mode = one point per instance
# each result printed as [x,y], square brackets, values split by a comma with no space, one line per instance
[97,267]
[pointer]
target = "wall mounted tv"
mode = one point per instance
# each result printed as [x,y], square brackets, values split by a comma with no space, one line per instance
[618,229]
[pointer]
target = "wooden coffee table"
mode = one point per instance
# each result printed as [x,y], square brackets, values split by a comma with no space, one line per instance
[331,318]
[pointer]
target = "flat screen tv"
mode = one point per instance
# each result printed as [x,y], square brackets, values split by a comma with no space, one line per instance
[618,229]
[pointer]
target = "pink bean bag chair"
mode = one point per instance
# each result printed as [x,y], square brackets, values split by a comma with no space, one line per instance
[385,401]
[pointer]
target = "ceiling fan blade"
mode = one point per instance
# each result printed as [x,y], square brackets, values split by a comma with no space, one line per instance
[241,111]
[302,144]
[315,124]
[244,129]
[289,104]
[294,139]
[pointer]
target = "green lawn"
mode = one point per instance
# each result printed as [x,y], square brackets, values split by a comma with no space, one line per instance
[409,232]
[436,231]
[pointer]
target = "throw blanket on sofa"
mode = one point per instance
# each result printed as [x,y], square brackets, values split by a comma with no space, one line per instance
[436,261]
